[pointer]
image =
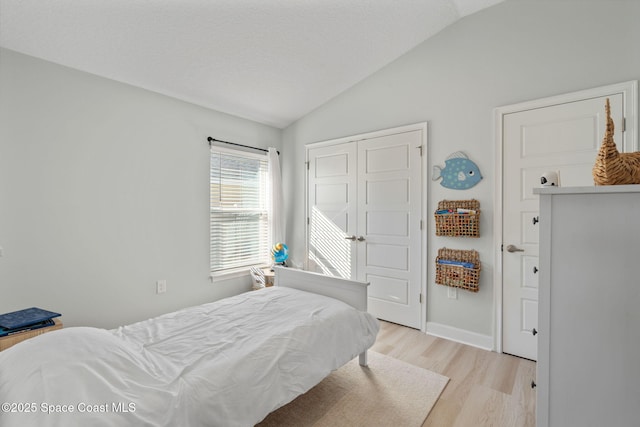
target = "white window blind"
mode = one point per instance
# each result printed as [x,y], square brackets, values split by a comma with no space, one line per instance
[239,222]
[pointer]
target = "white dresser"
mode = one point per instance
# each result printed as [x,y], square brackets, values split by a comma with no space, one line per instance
[588,371]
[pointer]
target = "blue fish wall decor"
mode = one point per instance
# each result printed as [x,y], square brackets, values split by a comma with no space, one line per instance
[459,173]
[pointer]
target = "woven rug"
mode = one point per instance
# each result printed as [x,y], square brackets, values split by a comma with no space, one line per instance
[386,393]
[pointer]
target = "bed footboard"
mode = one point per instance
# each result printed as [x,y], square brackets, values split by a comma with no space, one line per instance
[362,359]
[352,292]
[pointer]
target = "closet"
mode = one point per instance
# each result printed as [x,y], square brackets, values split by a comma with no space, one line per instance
[588,371]
[364,217]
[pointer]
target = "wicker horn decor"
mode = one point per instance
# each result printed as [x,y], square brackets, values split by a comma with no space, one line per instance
[613,167]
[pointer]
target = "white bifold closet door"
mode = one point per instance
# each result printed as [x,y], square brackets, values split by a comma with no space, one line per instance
[365,204]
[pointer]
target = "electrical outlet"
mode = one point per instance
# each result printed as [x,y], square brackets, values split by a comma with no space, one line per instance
[452,293]
[161,286]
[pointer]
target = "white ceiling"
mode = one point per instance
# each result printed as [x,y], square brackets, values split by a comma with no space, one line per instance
[271,61]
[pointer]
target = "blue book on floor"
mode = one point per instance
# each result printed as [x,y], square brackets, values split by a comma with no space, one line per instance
[28,316]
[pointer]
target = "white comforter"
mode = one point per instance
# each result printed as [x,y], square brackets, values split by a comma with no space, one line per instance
[227,363]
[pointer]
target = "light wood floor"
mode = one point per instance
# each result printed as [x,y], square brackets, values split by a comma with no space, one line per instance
[485,388]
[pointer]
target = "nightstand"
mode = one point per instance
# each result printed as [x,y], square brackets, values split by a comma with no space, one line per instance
[10,340]
[269,276]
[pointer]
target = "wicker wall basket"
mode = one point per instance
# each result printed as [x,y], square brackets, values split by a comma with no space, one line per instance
[458,276]
[458,224]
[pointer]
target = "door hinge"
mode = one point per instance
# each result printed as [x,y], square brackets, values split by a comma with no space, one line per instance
[420,297]
[624,124]
[308,221]
[421,224]
[420,148]
[307,163]
[502,248]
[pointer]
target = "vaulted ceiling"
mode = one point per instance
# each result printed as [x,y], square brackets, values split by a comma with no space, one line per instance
[271,61]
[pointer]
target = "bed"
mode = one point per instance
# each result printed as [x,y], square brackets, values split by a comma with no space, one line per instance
[225,363]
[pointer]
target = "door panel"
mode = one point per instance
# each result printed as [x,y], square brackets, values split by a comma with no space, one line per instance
[332,194]
[395,257]
[387,159]
[389,213]
[332,165]
[563,137]
[388,224]
[388,191]
[389,290]
[332,209]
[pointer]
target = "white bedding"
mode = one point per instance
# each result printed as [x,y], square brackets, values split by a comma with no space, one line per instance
[227,363]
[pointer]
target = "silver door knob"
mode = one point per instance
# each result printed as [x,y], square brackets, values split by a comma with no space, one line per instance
[361,239]
[352,238]
[512,248]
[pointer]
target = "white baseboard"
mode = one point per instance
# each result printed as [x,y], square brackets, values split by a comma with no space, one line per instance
[474,339]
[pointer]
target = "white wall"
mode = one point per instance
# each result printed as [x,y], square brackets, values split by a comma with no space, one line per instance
[513,52]
[103,191]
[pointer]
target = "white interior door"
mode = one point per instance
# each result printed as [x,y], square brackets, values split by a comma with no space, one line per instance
[562,137]
[389,252]
[332,209]
[365,209]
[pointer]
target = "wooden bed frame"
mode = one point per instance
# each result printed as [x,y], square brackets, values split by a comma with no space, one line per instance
[352,292]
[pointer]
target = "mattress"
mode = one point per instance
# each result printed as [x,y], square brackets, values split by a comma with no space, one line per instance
[226,363]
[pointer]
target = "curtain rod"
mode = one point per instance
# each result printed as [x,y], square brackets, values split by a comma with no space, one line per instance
[210,139]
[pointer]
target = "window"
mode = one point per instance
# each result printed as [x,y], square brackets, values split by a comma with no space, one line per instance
[239,221]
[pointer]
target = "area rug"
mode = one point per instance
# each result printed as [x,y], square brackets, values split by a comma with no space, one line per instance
[388,392]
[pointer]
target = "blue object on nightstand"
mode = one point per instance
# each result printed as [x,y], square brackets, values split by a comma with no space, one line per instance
[28,316]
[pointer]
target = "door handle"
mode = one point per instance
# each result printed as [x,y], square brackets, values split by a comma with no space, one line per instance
[512,248]
[361,239]
[352,238]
